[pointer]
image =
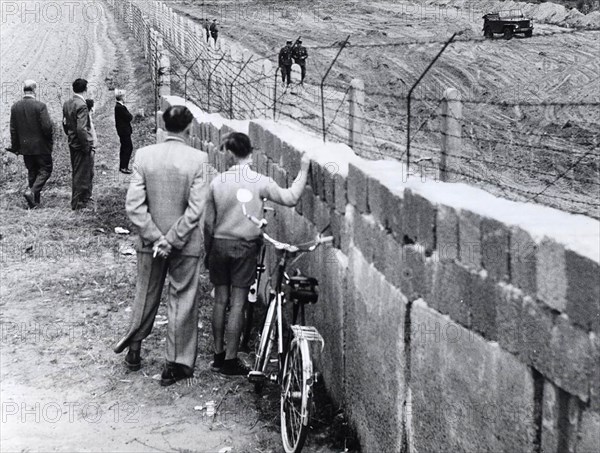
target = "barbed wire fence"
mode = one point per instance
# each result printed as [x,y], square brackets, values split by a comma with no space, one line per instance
[557,164]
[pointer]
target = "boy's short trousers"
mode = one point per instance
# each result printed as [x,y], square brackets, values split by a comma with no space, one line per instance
[232,262]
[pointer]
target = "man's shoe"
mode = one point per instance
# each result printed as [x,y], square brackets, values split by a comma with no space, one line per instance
[218,360]
[125,171]
[29,197]
[173,372]
[133,361]
[234,367]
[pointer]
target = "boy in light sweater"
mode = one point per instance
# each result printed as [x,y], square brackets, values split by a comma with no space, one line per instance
[232,242]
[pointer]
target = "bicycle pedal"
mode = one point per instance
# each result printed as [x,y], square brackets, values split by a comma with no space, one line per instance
[256,376]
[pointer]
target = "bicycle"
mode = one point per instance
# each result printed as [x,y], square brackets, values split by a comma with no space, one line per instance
[294,372]
[253,295]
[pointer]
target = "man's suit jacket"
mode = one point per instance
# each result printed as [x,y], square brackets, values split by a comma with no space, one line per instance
[123,120]
[30,127]
[76,124]
[167,195]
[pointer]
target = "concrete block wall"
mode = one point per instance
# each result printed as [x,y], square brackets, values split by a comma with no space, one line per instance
[453,320]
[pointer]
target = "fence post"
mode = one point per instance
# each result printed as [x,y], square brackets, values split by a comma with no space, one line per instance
[357,103]
[164,71]
[451,133]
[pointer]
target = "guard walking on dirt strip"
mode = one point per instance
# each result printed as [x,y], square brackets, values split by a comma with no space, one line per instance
[300,54]
[123,124]
[165,201]
[214,30]
[31,135]
[76,124]
[285,62]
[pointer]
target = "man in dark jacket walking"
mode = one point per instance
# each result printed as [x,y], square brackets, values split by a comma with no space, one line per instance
[31,136]
[285,62]
[76,124]
[123,123]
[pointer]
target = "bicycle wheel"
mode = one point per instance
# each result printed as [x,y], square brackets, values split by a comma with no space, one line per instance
[296,397]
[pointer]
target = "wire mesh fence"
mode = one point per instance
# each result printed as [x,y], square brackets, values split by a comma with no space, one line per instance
[552,157]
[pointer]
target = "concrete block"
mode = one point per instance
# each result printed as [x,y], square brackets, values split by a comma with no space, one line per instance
[357,188]
[327,315]
[583,291]
[508,318]
[321,214]
[469,239]
[329,185]
[589,433]
[447,234]
[495,249]
[341,199]
[307,202]
[268,139]
[256,134]
[374,327]
[392,266]
[467,394]
[413,283]
[418,221]
[560,420]
[450,291]
[276,149]
[347,239]
[484,298]
[572,355]
[280,176]
[316,179]
[395,214]
[595,374]
[534,336]
[551,274]
[376,199]
[215,134]
[365,235]
[523,251]
[290,158]
[338,227]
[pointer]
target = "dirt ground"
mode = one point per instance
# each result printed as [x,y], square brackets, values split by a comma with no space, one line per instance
[67,281]
[519,150]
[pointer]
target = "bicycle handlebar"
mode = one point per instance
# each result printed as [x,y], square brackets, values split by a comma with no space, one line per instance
[311,246]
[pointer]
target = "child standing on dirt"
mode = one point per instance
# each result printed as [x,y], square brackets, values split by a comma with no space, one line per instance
[232,243]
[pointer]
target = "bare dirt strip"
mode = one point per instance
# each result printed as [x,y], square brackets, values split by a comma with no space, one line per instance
[66,287]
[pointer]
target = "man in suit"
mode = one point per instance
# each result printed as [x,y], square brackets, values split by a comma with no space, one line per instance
[76,124]
[166,200]
[31,136]
[123,122]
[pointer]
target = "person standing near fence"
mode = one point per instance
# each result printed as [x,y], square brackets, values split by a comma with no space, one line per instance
[76,124]
[300,55]
[206,26]
[165,201]
[91,109]
[123,123]
[214,30]
[285,62]
[232,243]
[31,135]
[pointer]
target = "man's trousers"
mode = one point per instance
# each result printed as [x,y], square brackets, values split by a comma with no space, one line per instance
[82,164]
[39,169]
[125,152]
[182,307]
